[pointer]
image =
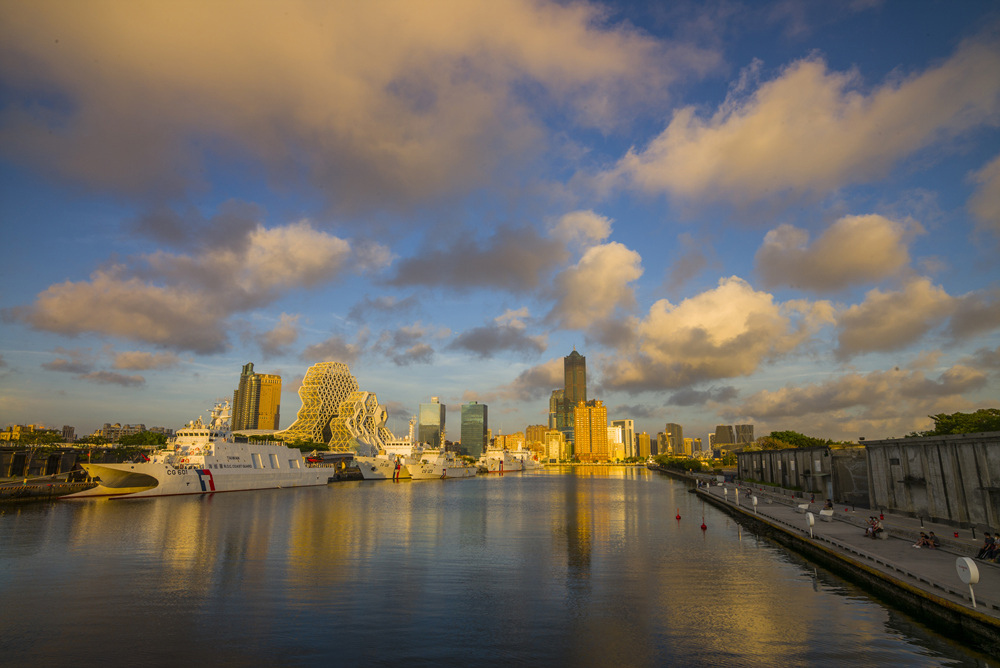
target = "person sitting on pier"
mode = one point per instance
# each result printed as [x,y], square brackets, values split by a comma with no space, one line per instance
[876,527]
[871,527]
[989,546]
[923,541]
[934,541]
[829,505]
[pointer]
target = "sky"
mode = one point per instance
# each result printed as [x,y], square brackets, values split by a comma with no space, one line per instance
[785,214]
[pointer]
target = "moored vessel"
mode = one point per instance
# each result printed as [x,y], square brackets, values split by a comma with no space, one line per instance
[203,459]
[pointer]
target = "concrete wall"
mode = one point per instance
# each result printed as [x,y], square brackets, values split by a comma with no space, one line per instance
[840,474]
[952,479]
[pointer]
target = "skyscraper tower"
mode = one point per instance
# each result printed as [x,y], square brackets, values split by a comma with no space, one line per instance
[257,400]
[474,428]
[430,424]
[575,375]
[574,391]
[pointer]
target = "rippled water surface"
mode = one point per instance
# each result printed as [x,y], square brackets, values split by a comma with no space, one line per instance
[572,567]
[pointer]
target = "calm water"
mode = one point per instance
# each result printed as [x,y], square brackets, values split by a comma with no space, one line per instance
[582,567]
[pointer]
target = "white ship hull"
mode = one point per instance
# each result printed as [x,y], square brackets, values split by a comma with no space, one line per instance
[203,460]
[381,468]
[439,465]
[500,462]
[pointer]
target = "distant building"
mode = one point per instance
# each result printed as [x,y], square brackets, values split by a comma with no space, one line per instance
[590,419]
[68,433]
[513,441]
[574,390]
[431,423]
[662,444]
[675,438]
[556,448]
[643,446]
[744,434]
[616,449]
[324,387]
[724,435]
[359,425]
[112,432]
[628,436]
[474,428]
[257,401]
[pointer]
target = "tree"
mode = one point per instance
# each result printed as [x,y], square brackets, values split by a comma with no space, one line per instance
[985,419]
[796,440]
[144,438]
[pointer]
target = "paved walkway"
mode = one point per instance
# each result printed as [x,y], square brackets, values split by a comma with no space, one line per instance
[933,571]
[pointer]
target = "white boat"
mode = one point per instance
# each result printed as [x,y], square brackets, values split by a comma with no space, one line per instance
[202,459]
[382,467]
[500,462]
[438,465]
[529,459]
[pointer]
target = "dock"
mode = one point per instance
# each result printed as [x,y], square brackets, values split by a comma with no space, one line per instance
[922,582]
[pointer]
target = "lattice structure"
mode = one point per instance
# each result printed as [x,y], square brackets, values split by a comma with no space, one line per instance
[326,385]
[360,425]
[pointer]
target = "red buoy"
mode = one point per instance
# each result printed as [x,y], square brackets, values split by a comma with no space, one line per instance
[678,513]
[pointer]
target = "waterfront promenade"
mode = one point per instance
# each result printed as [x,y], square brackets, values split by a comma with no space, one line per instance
[927,578]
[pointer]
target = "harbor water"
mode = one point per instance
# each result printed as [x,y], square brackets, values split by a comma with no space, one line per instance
[582,566]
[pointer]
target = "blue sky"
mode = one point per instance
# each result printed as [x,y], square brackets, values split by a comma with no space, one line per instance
[780,213]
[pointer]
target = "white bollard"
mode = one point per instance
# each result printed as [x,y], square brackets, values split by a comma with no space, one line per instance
[754,505]
[812,520]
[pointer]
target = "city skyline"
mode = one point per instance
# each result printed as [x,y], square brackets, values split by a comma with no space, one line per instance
[784,215]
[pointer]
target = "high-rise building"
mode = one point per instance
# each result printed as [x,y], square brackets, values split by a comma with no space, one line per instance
[744,434]
[590,426]
[324,387]
[642,444]
[628,435]
[574,390]
[535,433]
[474,428]
[724,435]
[556,449]
[257,400]
[430,423]
[675,437]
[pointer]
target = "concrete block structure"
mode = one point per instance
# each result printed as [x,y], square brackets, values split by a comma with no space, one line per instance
[953,479]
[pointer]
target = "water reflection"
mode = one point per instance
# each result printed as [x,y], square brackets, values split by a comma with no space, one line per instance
[585,566]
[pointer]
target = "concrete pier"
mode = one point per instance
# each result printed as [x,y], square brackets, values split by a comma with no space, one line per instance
[923,582]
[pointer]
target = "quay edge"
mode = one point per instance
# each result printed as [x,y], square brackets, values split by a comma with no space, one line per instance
[968,625]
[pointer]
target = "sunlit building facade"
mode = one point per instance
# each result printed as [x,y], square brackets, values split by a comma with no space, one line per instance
[431,423]
[574,390]
[627,436]
[744,434]
[590,420]
[675,437]
[642,445]
[257,400]
[325,386]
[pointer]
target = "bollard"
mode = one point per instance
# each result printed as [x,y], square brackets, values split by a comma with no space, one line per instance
[811,519]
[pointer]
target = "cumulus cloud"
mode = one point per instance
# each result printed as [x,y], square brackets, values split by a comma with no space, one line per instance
[383,305]
[111,378]
[514,259]
[507,332]
[407,345]
[598,284]
[276,341]
[532,384]
[135,360]
[386,102]
[892,320]
[182,301]
[836,259]
[726,332]
[692,397]
[335,349]
[876,404]
[582,227]
[75,361]
[975,313]
[985,202]
[810,130]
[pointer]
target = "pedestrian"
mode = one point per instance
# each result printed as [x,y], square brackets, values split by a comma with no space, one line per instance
[988,545]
